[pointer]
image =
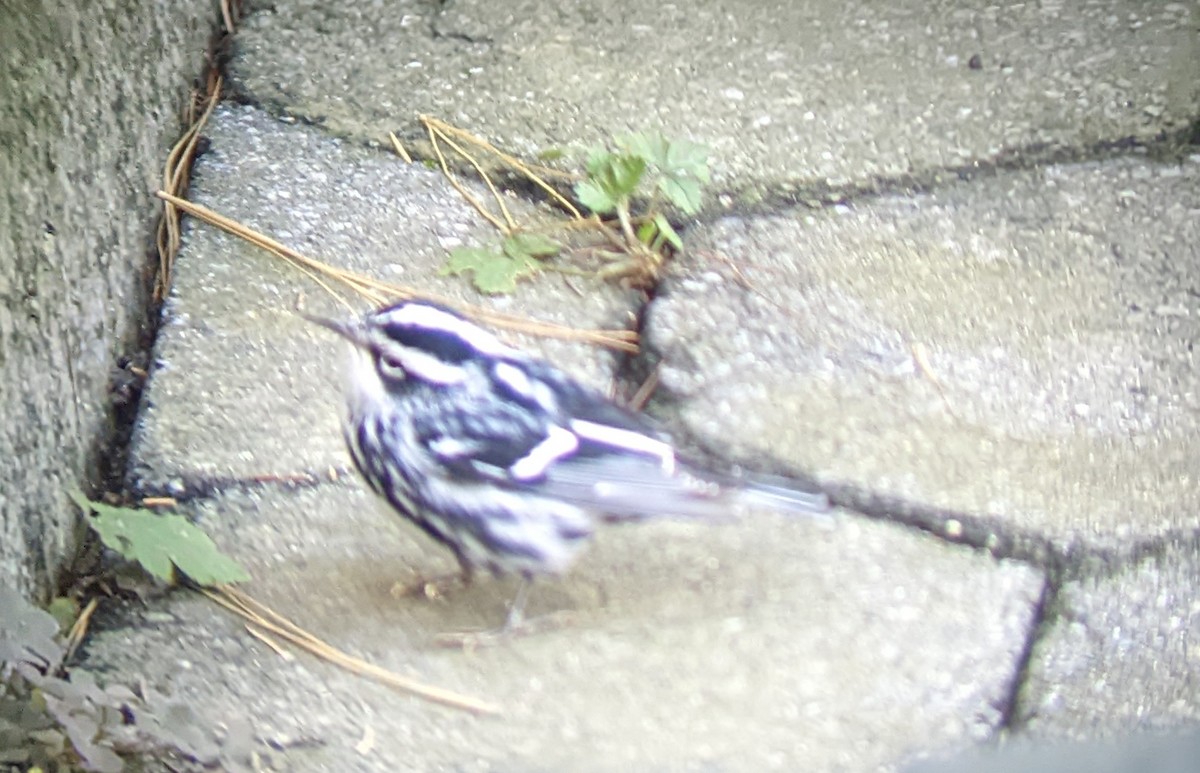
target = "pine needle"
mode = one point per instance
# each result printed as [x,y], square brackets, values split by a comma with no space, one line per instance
[267,621]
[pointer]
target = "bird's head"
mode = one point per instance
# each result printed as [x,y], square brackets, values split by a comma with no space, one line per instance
[416,341]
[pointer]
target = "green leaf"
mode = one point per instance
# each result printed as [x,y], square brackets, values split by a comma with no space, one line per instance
[647,231]
[624,174]
[611,180]
[651,148]
[668,232]
[674,158]
[492,272]
[598,159]
[685,157]
[530,245]
[464,260]
[551,154]
[501,276]
[683,192]
[595,197]
[161,543]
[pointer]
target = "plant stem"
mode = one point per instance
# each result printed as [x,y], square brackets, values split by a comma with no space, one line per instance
[627,226]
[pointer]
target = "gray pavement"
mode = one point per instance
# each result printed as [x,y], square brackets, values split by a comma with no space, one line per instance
[993,375]
[754,644]
[1119,654]
[1013,353]
[787,94]
[1164,753]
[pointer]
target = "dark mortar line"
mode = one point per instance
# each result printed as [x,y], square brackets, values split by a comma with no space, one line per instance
[781,197]
[634,368]
[1013,712]
[187,489]
[1100,564]
[980,533]
[998,537]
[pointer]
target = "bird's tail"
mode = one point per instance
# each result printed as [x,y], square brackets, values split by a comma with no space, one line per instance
[630,488]
[782,494]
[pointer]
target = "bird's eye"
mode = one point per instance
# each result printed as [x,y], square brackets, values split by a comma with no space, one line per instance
[391,369]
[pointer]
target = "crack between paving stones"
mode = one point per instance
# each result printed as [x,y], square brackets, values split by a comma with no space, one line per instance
[1004,542]
[1166,146]
[998,537]
[1013,712]
[193,488]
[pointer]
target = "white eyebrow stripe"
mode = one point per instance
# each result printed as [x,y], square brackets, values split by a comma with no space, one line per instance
[558,443]
[519,382]
[431,318]
[427,367]
[627,439]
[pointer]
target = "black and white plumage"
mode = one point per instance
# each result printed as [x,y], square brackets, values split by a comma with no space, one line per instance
[500,456]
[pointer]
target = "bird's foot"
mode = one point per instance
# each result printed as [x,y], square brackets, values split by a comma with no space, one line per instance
[472,640]
[515,624]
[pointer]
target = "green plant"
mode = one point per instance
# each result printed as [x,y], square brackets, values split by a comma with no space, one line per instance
[498,272]
[161,543]
[646,169]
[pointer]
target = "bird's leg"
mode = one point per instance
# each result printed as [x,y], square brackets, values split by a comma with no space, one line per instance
[516,611]
[515,624]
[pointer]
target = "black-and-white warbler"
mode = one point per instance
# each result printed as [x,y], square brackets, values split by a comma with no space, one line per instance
[503,458]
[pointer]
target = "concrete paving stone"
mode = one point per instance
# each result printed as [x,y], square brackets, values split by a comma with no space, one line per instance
[834,91]
[1018,349]
[760,642]
[1119,654]
[242,387]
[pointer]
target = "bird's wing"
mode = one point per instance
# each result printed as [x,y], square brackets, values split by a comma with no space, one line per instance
[622,487]
[489,439]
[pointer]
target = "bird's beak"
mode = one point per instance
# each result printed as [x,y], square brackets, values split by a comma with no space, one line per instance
[352,331]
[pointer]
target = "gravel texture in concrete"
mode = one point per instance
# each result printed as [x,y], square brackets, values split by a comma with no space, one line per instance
[824,92]
[762,642]
[1013,353]
[1118,654]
